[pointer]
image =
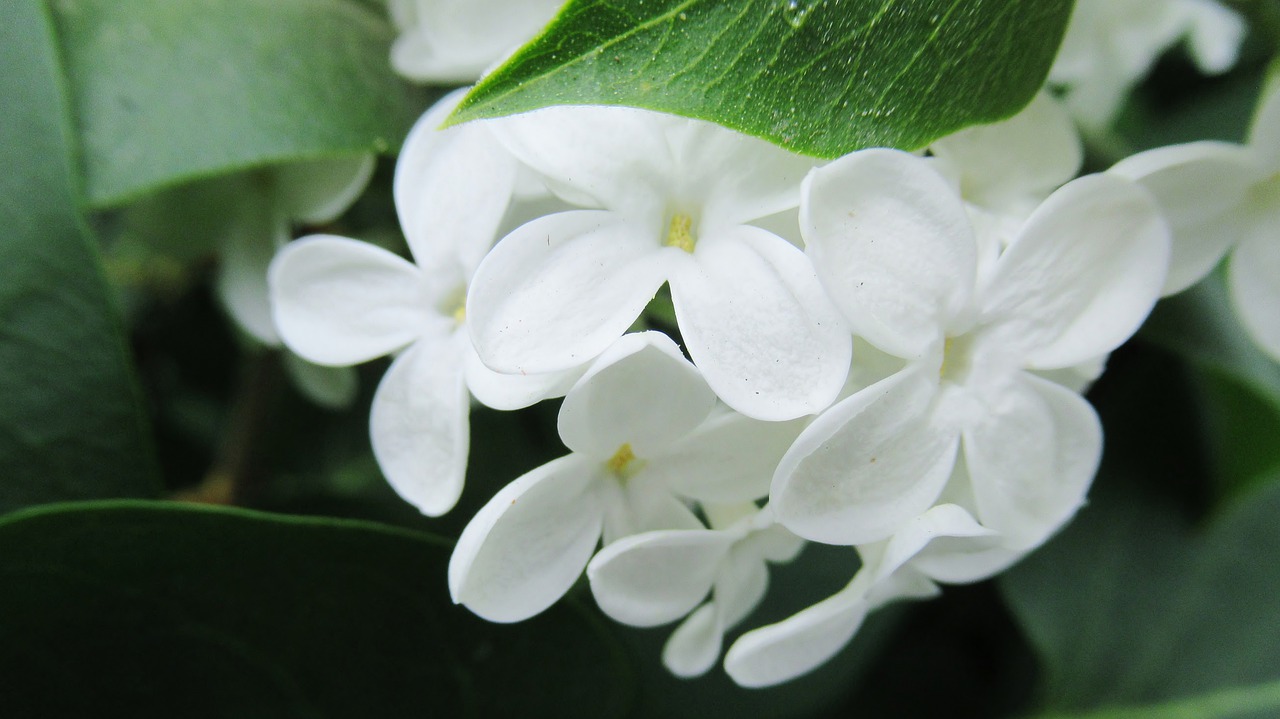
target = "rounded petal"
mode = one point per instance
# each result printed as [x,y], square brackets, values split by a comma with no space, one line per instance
[1082,276]
[799,644]
[962,560]
[514,391]
[526,547]
[694,646]
[1255,289]
[867,465]
[641,392]
[557,291]
[616,158]
[418,425]
[759,325]
[657,577]
[1200,187]
[1264,133]
[454,41]
[943,520]
[252,236]
[339,302]
[329,387]
[1031,458]
[317,191]
[1214,35]
[892,245]
[1026,156]
[736,178]
[452,188]
[730,458]
[740,584]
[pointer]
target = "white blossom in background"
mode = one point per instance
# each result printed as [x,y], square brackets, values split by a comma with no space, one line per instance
[260,223]
[1218,196]
[340,302]
[658,577]
[671,199]
[647,439]
[455,41]
[1110,45]
[895,249]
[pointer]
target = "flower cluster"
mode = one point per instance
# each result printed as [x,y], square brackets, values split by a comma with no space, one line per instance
[884,352]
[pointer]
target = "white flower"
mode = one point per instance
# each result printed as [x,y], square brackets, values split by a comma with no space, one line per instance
[259,223]
[676,196]
[454,41]
[1217,195]
[1004,170]
[1111,44]
[797,645]
[895,249]
[341,302]
[657,577]
[644,433]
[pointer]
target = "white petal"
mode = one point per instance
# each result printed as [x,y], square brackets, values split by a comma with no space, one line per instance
[1031,458]
[1026,156]
[514,391]
[892,245]
[759,326]
[641,392]
[740,585]
[339,302]
[736,178]
[730,458]
[695,645]
[526,547]
[962,560]
[329,387]
[418,425]
[867,465]
[317,191]
[1255,289]
[657,577]
[253,234]
[452,188]
[1199,186]
[639,505]
[799,644]
[1082,276]
[454,41]
[554,293]
[1214,36]
[944,520]
[1264,133]
[616,158]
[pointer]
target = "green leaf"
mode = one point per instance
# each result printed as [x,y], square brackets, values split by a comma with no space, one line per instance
[157,610]
[1137,614]
[172,90]
[821,77]
[70,422]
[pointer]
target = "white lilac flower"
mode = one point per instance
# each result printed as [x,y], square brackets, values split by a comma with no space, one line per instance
[454,41]
[894,248]
[646,436]
[260,223]
[891,570]
[675,196]
[1110,45]
[340,302]
[1004,170]
[1219,195]
[658,577]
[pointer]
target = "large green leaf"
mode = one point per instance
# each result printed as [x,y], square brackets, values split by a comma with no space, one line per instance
[822,77]
[155,610]
[70,421]
[1137,614]
[171,90]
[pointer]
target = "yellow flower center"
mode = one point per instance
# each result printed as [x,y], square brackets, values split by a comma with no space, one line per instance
[680,233]
[623,464]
